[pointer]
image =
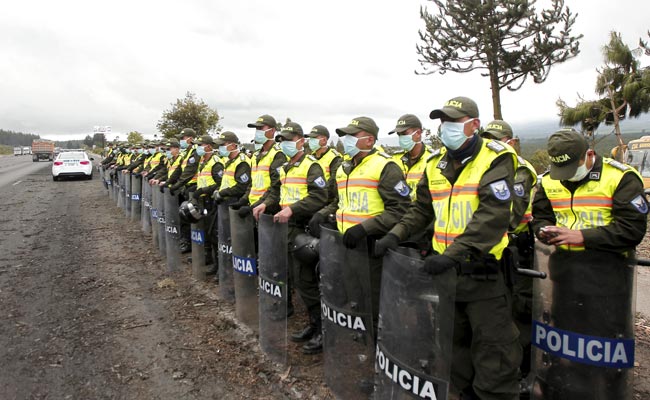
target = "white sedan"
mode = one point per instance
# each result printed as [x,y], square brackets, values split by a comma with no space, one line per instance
[72,163]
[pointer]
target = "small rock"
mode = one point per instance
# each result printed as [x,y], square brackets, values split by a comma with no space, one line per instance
[178,375]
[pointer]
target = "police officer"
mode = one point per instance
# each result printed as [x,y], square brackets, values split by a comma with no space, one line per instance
[466,189]
[156,160]
[522,241]
[174,159]
[593,210]
[372,175]
[110,155]
[300,192]
[328,158]
[237,169]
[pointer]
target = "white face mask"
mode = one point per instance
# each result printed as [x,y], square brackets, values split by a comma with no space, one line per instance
[581,172]
[452,134]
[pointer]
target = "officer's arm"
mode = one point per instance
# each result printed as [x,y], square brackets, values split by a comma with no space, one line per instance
[157,167]
[272,195]
[175,175]
[316,194]
[523,186]
[191,168]
[420,213]
[391,180]
[135,164]
[332,188]
[243,179]
[490,220]
[629,218]
[277,162]
[543,214]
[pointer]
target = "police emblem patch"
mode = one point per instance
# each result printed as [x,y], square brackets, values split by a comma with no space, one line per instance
[594,175]
[442,165]
[402,188]
[500,190]
[244,178]
[191,160]
[640,204]
[519,189]
[320,182]
[220,173]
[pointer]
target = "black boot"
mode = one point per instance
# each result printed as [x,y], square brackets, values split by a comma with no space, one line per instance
[315,344]
[310,330]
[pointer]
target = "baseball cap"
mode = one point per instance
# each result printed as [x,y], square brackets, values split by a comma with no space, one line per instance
[566,147]
[405,122]
[205,139]
[289,131]
[455,108]
[173,143]
[499,129]
[319,130]
[359,124]
[188,132]
[263,120]
[226,137]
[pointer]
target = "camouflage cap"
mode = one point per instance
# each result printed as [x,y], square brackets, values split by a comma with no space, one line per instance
[319,130]
[359,124]
[205,139]
[226,137]
[289,131]
[405,122]
[566,148]
[498,129]
[263,120]
[188,132]
[455,108]
[172,143]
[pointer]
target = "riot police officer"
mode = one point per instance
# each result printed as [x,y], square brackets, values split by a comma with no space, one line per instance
[328,158]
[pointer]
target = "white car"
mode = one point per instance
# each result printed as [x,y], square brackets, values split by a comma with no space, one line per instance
[72,163]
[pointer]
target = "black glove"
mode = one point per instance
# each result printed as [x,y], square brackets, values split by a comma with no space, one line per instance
[217,197]
[239,203]
[197,193]
[244,211]
[315,223]
[353,235]
[438,263]
[162,189]
[390,241]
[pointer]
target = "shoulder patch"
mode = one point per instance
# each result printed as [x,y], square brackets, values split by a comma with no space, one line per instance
[243,178]
[220,173]
[191,160]
[311,157]
[402,189]
[381,153]
[242,157]
[521,160]
[618,165]
[434,154]
[500,190]
[335,152]
[495,146]
[519,189]
[640,203]
[320,182]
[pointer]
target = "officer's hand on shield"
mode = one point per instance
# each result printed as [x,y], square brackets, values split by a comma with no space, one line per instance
[353,236]
[436,264]
[390,241]
[243,211]
[315,223]
[217,197]
[239,203]
[283,216]
[259,210]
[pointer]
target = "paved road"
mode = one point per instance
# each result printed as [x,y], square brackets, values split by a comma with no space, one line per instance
[13,168]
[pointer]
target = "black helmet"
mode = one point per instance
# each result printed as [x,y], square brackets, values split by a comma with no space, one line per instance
[305,248]
[189,212]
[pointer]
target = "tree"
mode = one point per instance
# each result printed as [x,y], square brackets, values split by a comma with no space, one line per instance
[88,141]
[507,38]
[99,140]
[134,137]
[189,112]
[623,88]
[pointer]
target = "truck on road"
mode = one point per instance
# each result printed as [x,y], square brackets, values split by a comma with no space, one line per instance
[18,151]
[42,150]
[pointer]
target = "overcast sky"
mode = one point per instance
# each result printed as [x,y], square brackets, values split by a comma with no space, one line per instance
[66,66]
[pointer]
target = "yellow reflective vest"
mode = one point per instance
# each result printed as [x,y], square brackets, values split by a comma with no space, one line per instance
[293,186]
[359,197]
[590,206]
[228,179]
[204,175]
[261,180]
[414,173]
[528,215]
[326,161]
[173,165]
[454,205]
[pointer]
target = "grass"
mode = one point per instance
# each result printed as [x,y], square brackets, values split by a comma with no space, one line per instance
[5,150]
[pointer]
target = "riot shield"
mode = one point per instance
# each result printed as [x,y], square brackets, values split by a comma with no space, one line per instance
[120,194]
[416,326]
[145,212]
[136,197]
[348,343]
[153,216]
[162,237]
[583,325]
[198,248]
[244,260]
[273,274]
[109,183]
[172,232]
[127,195]
[226,285]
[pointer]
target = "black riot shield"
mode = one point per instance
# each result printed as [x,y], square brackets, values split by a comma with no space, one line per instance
[120,184]
[153,215]
[198,248]
[416,326]
[160,215]
[226,285]
[109,182]
[348,343]
[145,211]
[115,184]
[583,325]
[127,195]
[136,197]
[172,232]
[273,262]
[244,260]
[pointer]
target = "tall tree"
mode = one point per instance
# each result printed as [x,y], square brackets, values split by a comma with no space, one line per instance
[134,137]
[623,88]
[189,112]
[508,39]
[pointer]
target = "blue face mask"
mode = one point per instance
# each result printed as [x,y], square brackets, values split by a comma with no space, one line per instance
[314,143]
[184,144]
[406,142]
[200,151]
[350,145]
[258,146]
[452,134]
[223,151]
[168,154]
[260,136]
[289,148]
